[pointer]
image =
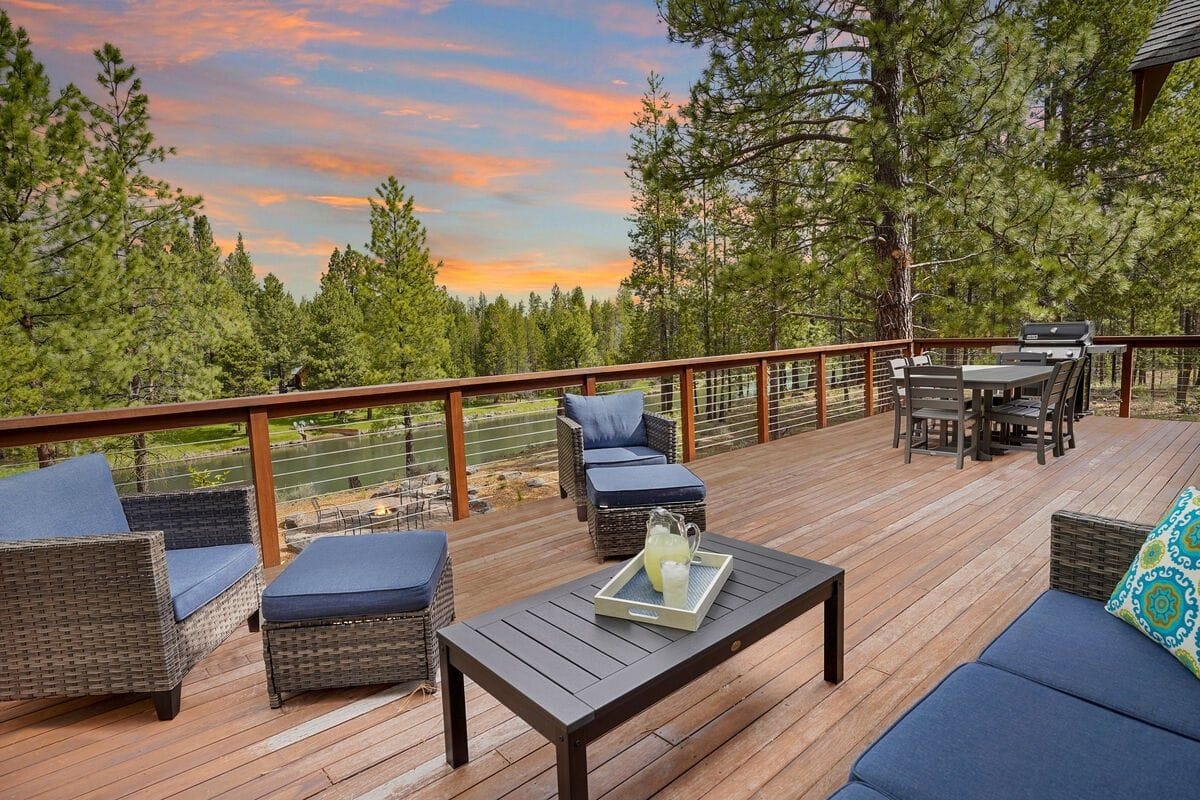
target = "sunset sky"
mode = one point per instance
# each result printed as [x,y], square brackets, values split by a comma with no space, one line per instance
[507,119]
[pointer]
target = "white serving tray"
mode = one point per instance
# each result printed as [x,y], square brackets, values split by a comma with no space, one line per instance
[629,594]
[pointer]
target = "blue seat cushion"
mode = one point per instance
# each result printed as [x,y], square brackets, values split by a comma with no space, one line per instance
[986,734]
[613,420]
[1072,644]
[358,576]
[72,498]
[857,791]
[622,457]
[197,575]
[625,487]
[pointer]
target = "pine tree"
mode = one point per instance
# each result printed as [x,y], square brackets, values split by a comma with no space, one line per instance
[56,273]
[239,272]
[276,326]
[405,307]
[334,340]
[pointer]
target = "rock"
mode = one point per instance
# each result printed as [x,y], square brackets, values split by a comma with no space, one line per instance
[472,492]
[535,483]
[480,507]
[384,493]
[292,522]
[442,478]
[471,470]
[432,479]
[508,476]
[296,541]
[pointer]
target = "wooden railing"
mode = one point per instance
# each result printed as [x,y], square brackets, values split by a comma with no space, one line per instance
[255,412]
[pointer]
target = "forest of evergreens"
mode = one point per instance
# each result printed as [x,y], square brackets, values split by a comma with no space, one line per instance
[840,171]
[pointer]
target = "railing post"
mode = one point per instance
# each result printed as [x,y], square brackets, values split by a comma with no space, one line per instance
[822,408]
[588,386]
[456,456]
[687,413]
[263,476]
[763,389]
[869,381]
[1126,380]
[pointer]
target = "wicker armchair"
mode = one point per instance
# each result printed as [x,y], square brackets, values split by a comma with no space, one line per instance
[660,436]
[87,615]
[1090,555]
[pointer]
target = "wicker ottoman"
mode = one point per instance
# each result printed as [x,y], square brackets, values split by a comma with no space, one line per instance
[619,501]
[356,611]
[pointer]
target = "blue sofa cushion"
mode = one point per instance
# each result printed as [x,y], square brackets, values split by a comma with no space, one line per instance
[197,575]
[857,791]
[622,457]
[643,486]
[356,576]
[613,420]
[985,734]
[72,498]
[1072,644]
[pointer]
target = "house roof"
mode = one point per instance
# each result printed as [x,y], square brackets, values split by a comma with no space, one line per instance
[1174,37]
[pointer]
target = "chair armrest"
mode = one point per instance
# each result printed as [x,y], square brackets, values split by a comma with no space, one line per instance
[660,434]
[1090,555]
[570,457]
[86,615]
[200,518]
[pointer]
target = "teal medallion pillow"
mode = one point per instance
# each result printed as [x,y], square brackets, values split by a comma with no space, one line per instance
[1159,594]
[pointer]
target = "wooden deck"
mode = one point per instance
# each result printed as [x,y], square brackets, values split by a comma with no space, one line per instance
[938,561]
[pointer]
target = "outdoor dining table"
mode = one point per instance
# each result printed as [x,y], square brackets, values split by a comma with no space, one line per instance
[984,380]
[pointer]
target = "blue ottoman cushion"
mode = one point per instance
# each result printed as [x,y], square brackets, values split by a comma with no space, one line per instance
[613,420]
[622,457]
[358,576]
[643,486]
[1072,644]
[197,575]
[857,791]
[985,733]
[72,498]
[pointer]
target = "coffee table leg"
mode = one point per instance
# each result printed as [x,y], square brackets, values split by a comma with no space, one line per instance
[835,610]
[454,712]
[572,768]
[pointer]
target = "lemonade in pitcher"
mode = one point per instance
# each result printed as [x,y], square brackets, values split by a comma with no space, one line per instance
[667,540]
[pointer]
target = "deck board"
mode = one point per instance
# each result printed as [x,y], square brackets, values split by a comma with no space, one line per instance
[937,562]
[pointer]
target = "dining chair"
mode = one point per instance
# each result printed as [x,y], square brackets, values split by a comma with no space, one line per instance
[1047,411]
[1070,404]
[923,360]
[937,394]
[897,366]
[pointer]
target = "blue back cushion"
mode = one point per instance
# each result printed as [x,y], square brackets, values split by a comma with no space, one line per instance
[73,498]
[613,420]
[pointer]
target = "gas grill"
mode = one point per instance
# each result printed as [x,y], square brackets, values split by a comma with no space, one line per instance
[1061,341]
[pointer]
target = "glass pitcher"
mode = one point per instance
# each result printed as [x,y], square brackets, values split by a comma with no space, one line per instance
[667,540]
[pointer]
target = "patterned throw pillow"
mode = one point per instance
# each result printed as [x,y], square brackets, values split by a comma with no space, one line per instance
[1160,595]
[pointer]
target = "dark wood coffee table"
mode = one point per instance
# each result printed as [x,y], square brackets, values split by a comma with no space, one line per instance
[574,676]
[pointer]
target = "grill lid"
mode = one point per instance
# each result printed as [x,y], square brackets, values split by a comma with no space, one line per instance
[1045,333]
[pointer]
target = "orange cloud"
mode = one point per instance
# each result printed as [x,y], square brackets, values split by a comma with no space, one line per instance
[614,202]
[353,203]
[473,170]
[534,272]
[182,31]
[579,109]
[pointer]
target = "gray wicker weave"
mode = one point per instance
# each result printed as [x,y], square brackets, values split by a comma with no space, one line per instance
[620,532]
[660,435]
[92,615]
[1090,555]
[357,651]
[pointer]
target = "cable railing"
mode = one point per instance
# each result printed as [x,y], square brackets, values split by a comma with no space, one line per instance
[402,455]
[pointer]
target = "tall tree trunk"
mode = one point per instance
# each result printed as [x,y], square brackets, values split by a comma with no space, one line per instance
[410,456]
[45,454]
[141,463]
[893,229]
[1186,361]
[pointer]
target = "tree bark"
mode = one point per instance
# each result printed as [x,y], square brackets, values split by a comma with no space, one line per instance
[410,456]
[893,228]
[141,462]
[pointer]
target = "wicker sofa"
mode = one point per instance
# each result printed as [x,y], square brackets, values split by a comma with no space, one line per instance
[604,432]
[1068,702]
[107,596]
